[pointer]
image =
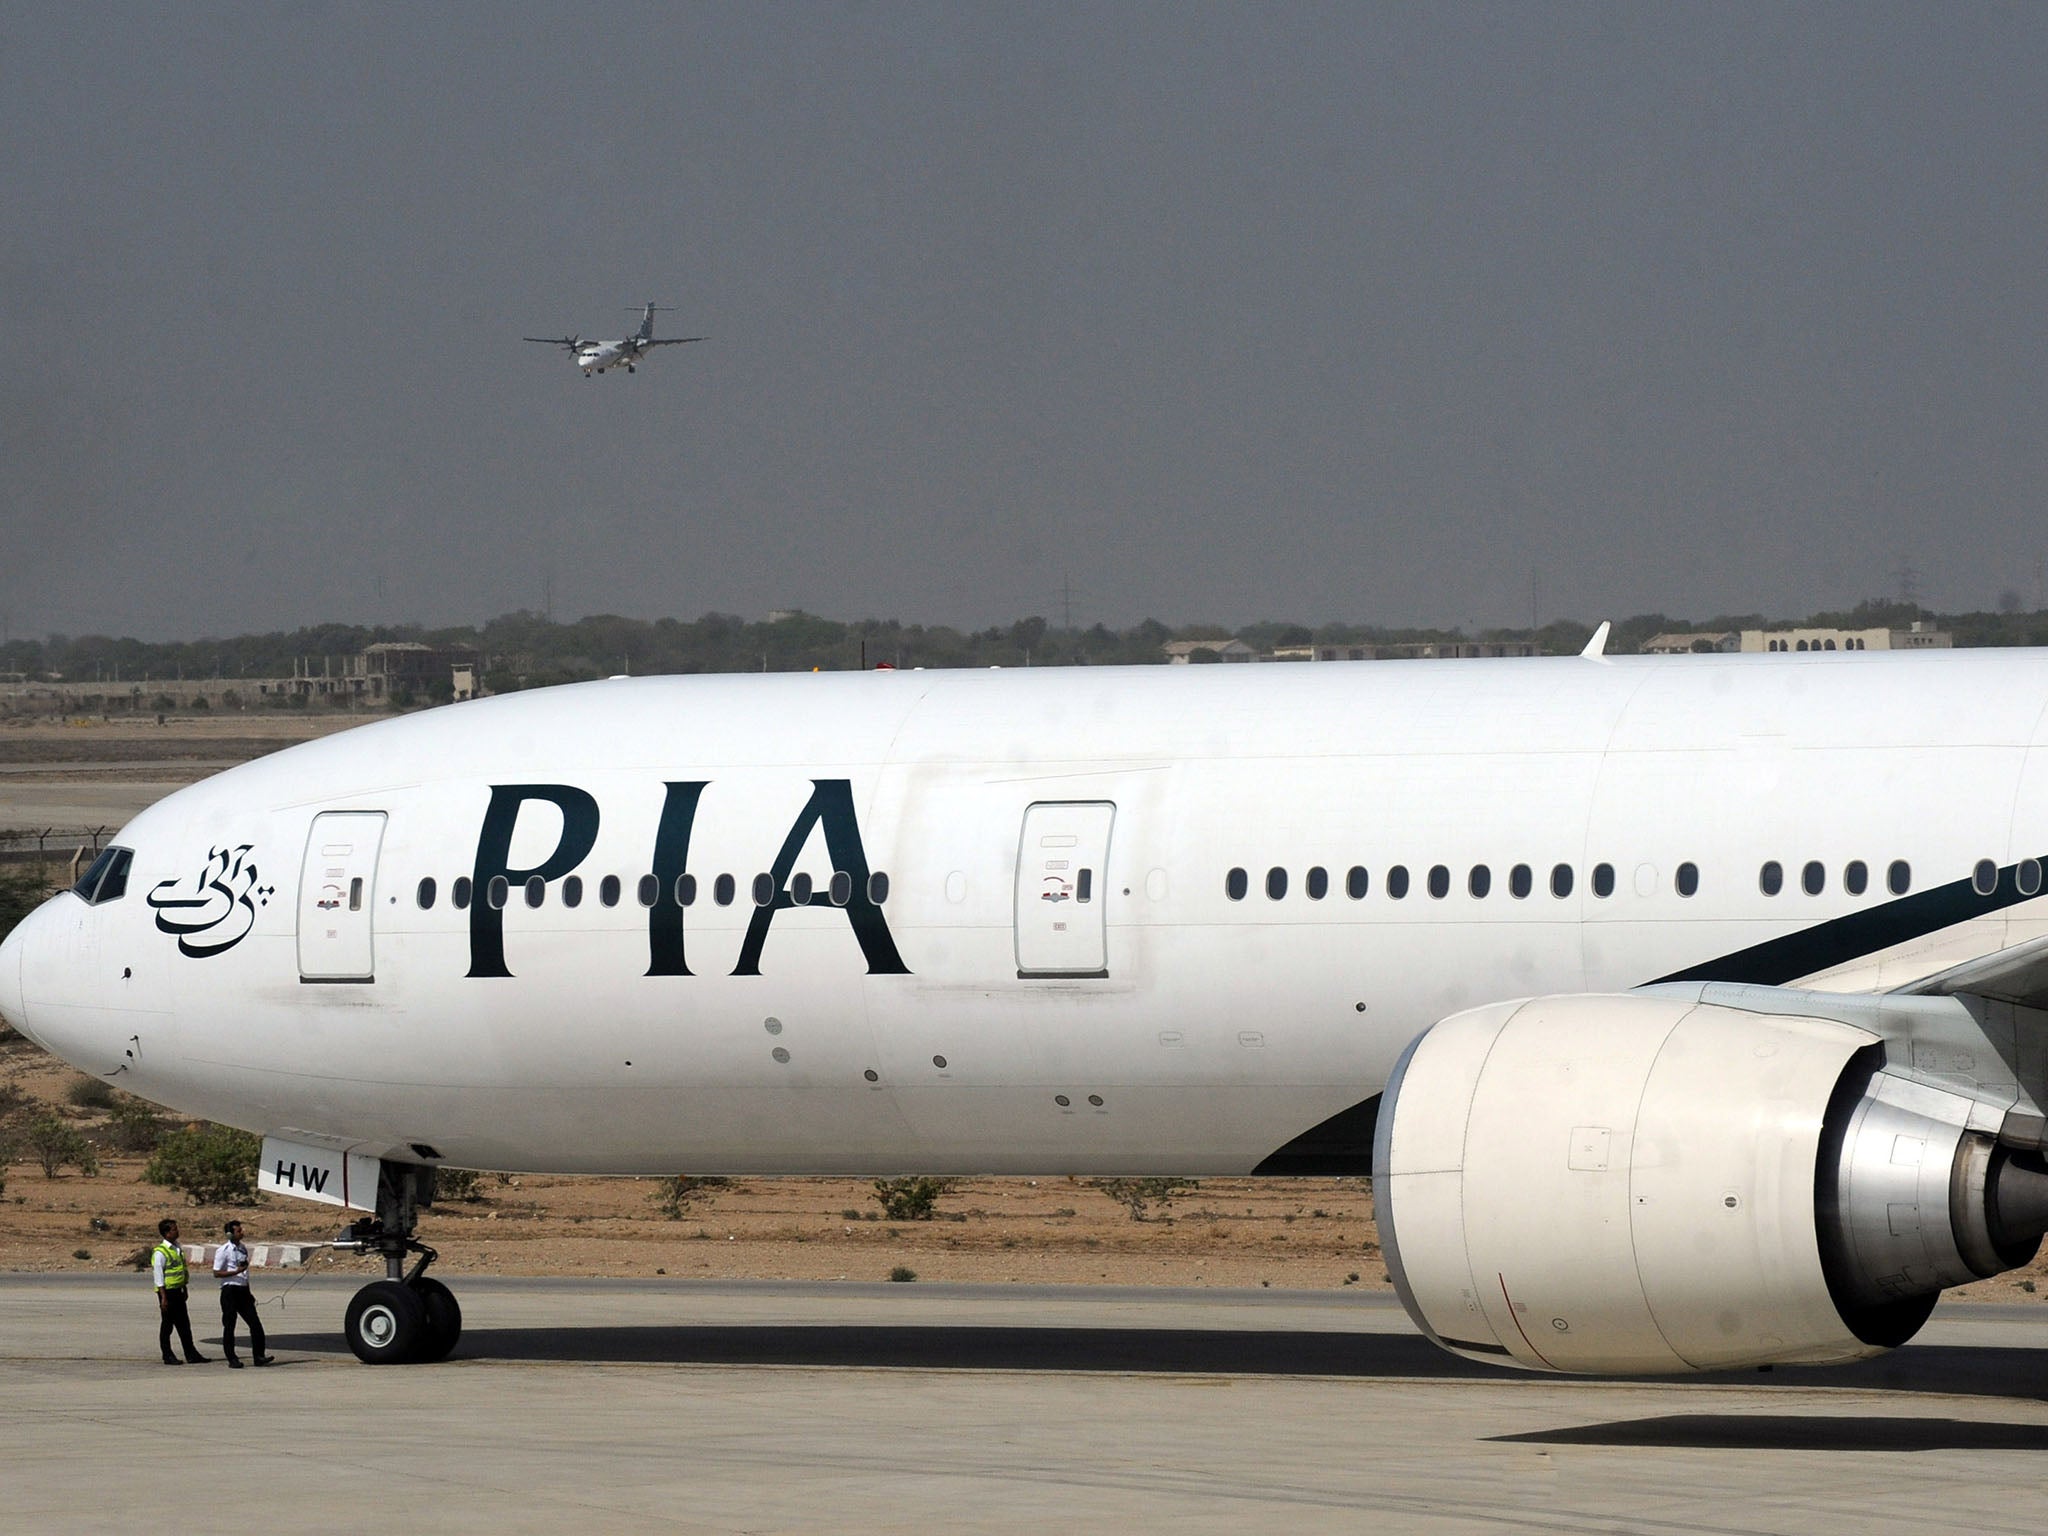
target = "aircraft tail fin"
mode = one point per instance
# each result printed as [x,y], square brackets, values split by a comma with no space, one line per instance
[647,313]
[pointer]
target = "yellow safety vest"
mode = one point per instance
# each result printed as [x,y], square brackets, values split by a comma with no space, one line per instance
[174,1265]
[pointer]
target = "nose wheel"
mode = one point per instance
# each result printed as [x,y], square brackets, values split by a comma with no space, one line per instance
[406,1318]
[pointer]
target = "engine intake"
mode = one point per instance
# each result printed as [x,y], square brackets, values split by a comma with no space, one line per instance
[1642,1184]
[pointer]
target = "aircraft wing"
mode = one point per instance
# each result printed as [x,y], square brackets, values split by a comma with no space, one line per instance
[554,341]
[673,341]
[2015,975]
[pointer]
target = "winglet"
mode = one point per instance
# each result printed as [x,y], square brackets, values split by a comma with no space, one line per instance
[1597,646]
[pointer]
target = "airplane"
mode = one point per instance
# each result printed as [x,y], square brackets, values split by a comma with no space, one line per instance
[1689,1013]
[597,356]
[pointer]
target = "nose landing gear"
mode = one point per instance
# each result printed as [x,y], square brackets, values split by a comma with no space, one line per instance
[405,1318]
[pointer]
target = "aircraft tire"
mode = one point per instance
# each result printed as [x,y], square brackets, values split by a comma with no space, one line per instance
[386,1323]
[444,1319]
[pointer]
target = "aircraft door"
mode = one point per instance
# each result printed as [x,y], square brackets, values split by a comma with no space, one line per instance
[1062,889]
[337,886]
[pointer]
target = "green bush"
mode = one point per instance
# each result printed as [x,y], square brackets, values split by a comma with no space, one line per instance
[91,1093]
[210,1164]
[55,1141]
[464,1184]
[136,1126]
[910,1199]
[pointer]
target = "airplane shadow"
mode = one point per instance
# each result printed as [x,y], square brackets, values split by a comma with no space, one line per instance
[1974,1372]
[1794,1432]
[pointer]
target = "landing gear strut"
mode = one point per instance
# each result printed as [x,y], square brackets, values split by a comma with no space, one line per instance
[405,1317]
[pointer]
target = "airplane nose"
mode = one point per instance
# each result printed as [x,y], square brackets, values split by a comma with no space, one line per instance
[13,1009]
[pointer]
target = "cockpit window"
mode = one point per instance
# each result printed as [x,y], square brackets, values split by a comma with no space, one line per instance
[107,878]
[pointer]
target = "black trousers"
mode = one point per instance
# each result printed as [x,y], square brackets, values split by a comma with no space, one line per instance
[174,1315]
[235,1301]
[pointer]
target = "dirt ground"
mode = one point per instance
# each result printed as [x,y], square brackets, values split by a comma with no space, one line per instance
[1292,1234]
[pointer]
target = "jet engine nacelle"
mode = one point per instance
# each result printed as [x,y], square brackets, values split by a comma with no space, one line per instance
[1644,1184]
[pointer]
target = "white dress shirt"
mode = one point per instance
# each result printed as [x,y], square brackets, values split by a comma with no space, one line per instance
[232,1255]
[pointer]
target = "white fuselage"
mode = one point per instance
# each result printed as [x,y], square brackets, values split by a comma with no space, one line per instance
[1167,1027]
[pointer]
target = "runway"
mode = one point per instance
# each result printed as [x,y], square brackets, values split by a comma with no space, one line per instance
[769,1407]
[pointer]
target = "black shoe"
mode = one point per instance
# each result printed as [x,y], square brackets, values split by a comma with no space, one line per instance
[234,1364]
[266,1359]
[172,1360]
[197,1359]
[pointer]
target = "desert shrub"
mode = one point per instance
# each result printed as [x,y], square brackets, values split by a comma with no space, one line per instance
[210,1164]
[1136,1195]
[674,1194]
[55,1142]
[91,1093]
[136,1126]
[902,1274]
[910,1199]
[464,1184]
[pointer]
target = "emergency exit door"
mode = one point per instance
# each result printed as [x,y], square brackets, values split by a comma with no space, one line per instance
[1062,889]
[336,886]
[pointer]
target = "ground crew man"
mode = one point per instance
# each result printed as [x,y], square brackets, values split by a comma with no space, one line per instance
[231,1263]
[167,1267]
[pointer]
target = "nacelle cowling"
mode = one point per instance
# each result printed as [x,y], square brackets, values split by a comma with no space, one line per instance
[1645,1185]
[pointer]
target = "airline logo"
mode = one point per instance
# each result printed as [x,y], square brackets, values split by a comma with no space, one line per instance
[829,811]
[222,909]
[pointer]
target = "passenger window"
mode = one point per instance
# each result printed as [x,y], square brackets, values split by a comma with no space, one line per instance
[800,889]
[1771,878]
[1688,879]
[1357,883]
[1439,881]
[426,893]
[764,889]
[1521,881]
[1560,880]
[458,893]
[648,890]
[1479,882]
[1855,877]
[1898,879]
[1318,883]
[572,891]
[686,890]
[1235,884]
[2027,874]
[878,887]
[536,890]
[1397,881]
[1276,883]
[1603,880]
[1813,879]
[723,889]
[842,887]
[1984,878]
[608,890]
[499,891]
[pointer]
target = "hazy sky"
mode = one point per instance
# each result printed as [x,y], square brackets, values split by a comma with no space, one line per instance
[1218,312]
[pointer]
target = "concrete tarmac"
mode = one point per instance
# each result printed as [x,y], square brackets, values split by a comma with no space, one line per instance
[629,1406]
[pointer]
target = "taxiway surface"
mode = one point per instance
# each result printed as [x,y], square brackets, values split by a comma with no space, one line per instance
[658,1405]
